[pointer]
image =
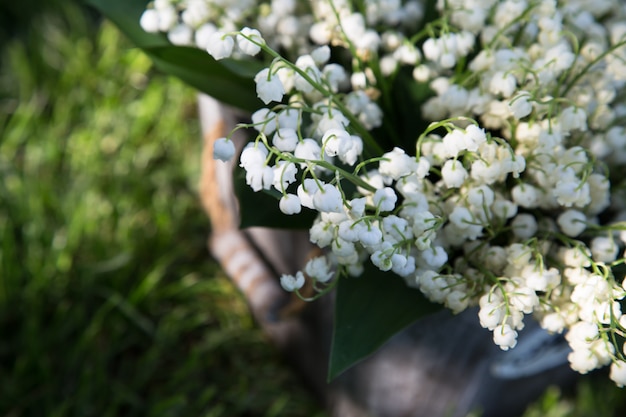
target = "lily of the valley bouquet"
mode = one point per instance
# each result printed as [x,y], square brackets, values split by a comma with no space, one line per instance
[474,150]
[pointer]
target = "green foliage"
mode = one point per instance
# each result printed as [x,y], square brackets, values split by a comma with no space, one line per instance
[16,17]
[368,311]
[595,396]
[109,303]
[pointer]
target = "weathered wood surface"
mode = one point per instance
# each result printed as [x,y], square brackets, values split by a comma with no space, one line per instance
[443,365]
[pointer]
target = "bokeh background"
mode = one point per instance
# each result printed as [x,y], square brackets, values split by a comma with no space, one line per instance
[110,304]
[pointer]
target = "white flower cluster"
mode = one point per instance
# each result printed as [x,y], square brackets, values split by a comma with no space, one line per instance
[338,24]
[504,201]
[209,24]
[556,103]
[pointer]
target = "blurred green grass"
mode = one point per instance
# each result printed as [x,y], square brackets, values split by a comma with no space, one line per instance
[109,302]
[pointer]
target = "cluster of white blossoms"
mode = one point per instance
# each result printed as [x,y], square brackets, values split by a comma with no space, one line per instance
[510,199]
[207,23]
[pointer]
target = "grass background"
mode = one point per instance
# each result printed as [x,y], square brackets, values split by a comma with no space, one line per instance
[109,302]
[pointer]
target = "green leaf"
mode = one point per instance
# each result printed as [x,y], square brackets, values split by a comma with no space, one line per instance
[368,311]
[261,208]
[229,81]
[198,69]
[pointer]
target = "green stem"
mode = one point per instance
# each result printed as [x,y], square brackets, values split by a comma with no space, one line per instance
[589,65]
[345,174]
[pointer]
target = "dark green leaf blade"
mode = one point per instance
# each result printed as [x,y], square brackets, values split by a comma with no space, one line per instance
[368,311]
[198,69]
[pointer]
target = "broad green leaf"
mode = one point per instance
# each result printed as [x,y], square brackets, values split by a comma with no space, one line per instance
[198,69]
[368,311]
[230,81]
[261,208]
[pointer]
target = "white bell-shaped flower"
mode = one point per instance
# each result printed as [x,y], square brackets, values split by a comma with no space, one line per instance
[292,283]
[268,86]
[220,45]
[290,204]
[223,149]
[249,41]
